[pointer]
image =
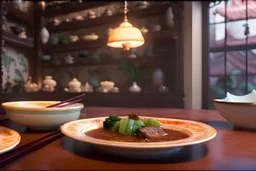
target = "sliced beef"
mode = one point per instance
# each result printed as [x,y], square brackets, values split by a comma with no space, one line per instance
[151,132]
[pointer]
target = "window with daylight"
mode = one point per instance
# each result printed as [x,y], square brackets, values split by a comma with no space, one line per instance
[231,48]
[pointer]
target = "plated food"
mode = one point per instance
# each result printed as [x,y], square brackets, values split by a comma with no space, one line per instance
[8,139]
[141,137]
[134,129]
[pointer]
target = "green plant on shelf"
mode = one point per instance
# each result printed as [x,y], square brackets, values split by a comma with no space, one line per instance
[62,39]
[95,78]
[131,71]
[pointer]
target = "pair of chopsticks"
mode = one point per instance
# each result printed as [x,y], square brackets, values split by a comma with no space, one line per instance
[68,101]
[13,155]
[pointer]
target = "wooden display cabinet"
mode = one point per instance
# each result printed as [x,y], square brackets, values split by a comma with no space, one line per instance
[171,60]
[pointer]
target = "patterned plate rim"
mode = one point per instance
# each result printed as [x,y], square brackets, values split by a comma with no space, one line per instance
[15,140]
[199,132]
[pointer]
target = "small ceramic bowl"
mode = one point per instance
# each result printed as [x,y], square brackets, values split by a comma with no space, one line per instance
[46,57]
[67,20]
[239,110]
[56,22]
[35,116]
[73,38]
[91,36]
[16,29]
[79,18]
[141,5]
[92,14]
[22,35]
[108,85]
[144,30]
[156,28]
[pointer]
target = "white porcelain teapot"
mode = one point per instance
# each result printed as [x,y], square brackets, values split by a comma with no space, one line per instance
[30,86]
[74,86]
[49,84]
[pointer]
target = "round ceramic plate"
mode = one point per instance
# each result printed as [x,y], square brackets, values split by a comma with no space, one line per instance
[197,133]
[8,139]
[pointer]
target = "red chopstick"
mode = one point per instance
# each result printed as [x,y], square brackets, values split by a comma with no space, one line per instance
[68,101]
[15,154]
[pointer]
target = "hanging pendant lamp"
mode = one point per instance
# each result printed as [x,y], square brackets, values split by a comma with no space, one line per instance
[125,35]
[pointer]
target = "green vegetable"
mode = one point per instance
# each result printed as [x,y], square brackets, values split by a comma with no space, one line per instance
[129,127]
[116,126]
[123,125]
[152,122]
[110,121]
[135,129]
[137,124]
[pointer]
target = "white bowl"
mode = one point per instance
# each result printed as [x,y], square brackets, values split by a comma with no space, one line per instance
[239,110]
[34,115]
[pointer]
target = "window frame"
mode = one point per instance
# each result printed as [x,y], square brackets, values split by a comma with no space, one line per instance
[206,50]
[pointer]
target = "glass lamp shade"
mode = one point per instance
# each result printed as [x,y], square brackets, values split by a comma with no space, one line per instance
[125,36]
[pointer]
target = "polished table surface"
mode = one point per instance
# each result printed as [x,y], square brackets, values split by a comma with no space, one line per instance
[232,148]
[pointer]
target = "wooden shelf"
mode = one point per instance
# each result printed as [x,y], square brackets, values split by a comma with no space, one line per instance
[73,7]
[79,45]
[14,39]
[82,44]
[115,19]
[142,99]
[17,14]
[140,60]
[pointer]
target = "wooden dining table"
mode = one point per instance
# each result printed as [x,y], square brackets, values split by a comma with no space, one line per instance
[232,148]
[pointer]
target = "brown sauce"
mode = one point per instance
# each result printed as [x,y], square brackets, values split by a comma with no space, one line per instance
[104,134]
